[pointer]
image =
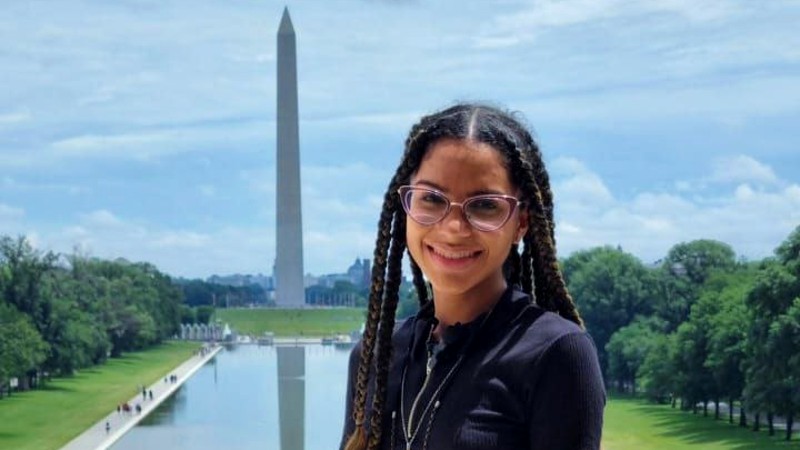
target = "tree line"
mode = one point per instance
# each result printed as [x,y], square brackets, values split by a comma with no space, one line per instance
[60,313]
[700,327]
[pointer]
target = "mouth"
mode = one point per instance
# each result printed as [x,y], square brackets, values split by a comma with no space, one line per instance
[453,258]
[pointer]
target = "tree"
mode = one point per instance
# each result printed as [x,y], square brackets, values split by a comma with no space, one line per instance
[23,274]
[774,335]
[628,348]
[727,338]
[610,288]
[22,348]
[685,269]
[657,372]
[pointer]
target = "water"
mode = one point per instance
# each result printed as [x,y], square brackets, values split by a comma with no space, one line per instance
[233,402]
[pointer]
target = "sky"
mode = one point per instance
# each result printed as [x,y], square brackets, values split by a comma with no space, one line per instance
[146,129]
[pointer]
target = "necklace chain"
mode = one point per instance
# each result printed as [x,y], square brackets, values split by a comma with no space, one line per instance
[408,434]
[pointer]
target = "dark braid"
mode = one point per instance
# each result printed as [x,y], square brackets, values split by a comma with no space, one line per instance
[540,271]
[375,314]
[358,440]
[393,279]
[535,271]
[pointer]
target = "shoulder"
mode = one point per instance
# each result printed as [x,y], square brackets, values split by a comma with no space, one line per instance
[542,335]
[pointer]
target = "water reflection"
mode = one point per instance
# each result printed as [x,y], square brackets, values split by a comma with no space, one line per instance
[251,397]
[292,396]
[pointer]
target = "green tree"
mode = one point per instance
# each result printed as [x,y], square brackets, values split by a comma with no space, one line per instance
[22,348]
[628,348]
[774,335]
[610,288]
[204,313]
[684,270]
[727,338]
[657,375]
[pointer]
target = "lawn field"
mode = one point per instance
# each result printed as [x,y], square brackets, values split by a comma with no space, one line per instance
[293,322]
[49,418]
[634,424]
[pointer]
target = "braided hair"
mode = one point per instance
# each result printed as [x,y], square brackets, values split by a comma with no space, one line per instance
[535,270]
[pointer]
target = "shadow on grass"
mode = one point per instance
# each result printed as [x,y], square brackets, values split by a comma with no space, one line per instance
[50,387]
[698,429]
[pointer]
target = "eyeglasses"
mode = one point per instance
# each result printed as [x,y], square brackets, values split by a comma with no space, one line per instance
[483,212]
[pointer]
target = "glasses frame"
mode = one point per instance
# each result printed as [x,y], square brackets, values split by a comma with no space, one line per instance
[404,190]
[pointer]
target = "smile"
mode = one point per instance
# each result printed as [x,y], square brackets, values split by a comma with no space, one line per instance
[453,257]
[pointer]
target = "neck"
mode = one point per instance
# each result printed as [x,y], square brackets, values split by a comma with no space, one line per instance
[464,307]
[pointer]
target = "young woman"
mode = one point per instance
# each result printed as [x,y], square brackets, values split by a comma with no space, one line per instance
[497,357]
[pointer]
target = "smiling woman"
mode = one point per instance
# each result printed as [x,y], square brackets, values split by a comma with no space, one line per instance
[497,356]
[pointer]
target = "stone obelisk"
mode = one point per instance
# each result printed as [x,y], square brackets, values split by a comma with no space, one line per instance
[289,258]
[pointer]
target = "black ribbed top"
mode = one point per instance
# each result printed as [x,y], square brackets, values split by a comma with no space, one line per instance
[515,378]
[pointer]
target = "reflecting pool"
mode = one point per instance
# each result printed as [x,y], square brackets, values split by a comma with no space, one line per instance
[253,397]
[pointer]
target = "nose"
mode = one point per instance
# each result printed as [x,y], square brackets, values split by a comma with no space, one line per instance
[456,220]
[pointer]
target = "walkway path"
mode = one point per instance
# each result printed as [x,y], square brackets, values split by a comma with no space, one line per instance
[98,438]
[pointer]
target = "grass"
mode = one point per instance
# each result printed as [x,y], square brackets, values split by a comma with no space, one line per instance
[48,418]
[293,322]
[634,424]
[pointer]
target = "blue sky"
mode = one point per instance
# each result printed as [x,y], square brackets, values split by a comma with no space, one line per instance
[146,129]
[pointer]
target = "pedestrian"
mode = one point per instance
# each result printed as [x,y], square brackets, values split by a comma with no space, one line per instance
[119,408]
[497,356]
[108,427]
[151,394]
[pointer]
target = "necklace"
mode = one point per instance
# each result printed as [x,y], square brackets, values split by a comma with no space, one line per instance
[410,433]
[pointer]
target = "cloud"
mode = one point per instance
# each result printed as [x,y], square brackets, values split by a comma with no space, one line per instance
[742,168]
[577,185]
[752,220]
[547,15]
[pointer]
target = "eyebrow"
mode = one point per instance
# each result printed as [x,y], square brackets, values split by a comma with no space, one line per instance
[471,194]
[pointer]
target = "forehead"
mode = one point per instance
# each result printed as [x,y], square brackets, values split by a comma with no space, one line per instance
[464,167]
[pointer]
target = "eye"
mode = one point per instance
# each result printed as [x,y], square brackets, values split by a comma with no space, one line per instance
[432,198]
[485,205]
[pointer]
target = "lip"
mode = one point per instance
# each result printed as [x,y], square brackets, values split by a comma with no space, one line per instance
[450,258]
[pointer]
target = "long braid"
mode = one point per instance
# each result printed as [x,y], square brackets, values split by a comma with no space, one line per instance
[358,440]
[549,287]
[391,297]
[380,287]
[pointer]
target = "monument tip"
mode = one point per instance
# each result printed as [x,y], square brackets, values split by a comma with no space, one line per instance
[286,26]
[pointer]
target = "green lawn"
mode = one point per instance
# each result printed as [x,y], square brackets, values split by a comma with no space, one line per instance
[49,418]
[293,322]
[633,424]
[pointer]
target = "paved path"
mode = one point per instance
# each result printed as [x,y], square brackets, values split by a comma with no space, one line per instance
[98,438]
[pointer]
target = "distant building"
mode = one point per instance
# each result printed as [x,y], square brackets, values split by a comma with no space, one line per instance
[359,273]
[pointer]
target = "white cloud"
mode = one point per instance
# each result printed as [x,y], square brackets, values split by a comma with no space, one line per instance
[752,221]
[101,218]
[742,168]
[576,185]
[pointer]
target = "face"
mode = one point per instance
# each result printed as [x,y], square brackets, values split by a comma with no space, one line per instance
[456,258]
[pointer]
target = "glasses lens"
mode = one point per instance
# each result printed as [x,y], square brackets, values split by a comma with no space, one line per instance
[424,206]
[488,213]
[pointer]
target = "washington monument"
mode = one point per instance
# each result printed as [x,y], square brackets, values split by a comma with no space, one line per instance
[289,243]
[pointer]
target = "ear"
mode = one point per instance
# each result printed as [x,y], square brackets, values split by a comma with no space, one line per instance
[522,227]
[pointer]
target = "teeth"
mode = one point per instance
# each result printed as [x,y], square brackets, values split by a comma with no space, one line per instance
[452,255]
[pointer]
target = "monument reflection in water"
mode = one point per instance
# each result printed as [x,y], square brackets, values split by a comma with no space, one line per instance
[251,397]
